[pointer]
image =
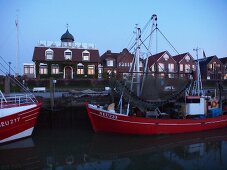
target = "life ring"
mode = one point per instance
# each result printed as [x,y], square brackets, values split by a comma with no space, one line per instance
[214,103]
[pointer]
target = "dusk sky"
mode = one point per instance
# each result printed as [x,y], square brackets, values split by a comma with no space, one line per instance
[109,24]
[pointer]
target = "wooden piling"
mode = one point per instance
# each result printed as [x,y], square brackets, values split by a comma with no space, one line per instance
[51,94]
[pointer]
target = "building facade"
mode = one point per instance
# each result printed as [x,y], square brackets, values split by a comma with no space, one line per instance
[185,65]
[67,60]
[162,65]
[211,68]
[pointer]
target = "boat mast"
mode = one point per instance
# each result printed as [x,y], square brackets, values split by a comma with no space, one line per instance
[137,60]
[197,88]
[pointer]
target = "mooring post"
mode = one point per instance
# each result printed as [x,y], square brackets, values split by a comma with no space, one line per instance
[51,94]
[7,84]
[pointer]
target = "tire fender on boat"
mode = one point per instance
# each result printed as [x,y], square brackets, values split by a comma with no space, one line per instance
[214,103]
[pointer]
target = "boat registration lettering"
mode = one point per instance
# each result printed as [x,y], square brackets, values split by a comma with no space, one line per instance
[9,122]
[108,115]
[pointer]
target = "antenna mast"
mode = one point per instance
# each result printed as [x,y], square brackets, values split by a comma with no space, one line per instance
[197,89]
[17,54]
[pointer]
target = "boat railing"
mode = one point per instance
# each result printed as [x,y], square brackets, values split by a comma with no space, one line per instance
[17,100]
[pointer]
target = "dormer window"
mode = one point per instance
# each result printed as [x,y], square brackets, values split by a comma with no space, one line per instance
[85,55]
[68,54]
[49,54]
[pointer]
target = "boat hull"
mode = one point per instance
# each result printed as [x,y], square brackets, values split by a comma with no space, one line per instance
[18,122]
[105,121]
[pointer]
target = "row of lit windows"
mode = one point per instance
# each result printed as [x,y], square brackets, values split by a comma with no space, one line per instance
[171,68]
[49,53]
[55,69]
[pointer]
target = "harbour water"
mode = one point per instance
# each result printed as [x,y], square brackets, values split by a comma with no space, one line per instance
[65,140]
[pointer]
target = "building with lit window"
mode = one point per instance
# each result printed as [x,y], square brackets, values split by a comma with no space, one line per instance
[67,59]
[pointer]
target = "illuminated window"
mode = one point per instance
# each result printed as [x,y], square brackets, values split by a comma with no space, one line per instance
[42,68]
[161,67]
[28,69]
[181,67]
[171,67]
[54,69]
[80,68]
[109,63]
[187,68]
[91,69]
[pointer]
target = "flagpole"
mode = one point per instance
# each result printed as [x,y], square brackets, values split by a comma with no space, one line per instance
[17,54]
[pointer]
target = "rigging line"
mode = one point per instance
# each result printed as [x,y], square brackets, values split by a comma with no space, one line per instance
[131,40]
[168,41]
[142,43]
[11,69]
[149,35]
[14,79]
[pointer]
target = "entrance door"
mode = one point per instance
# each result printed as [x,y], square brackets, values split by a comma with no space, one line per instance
[68,72]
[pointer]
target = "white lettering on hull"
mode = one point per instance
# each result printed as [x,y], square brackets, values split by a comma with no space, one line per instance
[9,122]
[108,115]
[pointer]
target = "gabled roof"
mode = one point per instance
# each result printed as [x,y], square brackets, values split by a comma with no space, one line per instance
[39,54]
[125,55]
[223,60]
[109,54]
[180,57]
[153,58]
[205,60]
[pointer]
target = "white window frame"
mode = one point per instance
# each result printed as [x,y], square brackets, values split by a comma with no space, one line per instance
[91,69]
[171,67]
[54,69]
[49,54]
[43,68]
[109,63]
[66,54]
[86,57]
[80,69]
[181,67]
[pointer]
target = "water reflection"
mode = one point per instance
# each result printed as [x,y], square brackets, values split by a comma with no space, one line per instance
[75,146]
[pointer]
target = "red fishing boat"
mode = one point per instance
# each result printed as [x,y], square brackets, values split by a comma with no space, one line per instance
[18,115]
[18,112]
[198,111]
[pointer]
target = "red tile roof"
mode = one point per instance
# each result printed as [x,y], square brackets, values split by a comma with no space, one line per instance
[152,59]
[39,54]
[179,57]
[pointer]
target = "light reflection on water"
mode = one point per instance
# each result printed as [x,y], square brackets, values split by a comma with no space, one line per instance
[65,140]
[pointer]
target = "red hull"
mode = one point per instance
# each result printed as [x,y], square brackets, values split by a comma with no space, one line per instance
[14,125]
[105,121]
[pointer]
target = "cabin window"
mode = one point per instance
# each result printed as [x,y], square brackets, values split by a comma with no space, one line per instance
[49,54]
[86,55]
[80,68]
[42,68]
[91,70]
[54,69]
[68,54]
[192,100]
